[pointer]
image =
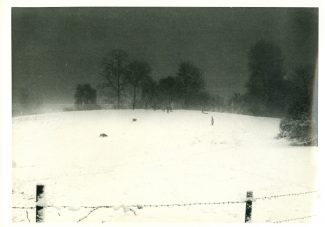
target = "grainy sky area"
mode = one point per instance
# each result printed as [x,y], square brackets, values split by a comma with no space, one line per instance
[53,49]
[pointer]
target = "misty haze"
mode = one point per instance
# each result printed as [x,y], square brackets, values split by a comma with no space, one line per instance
[164,114]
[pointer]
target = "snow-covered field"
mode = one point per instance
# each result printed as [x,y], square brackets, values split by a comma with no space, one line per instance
[161,158]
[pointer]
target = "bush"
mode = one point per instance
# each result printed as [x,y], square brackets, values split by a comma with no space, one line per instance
[299,131]
[300,123]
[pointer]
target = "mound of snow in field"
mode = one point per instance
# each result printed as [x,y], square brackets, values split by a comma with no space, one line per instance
[161,158]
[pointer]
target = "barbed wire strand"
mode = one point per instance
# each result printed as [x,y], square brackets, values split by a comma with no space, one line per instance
[284,195]
[140,206]
[23,208]
[294,219]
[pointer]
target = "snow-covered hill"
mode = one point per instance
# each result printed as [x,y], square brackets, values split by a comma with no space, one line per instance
[159,159]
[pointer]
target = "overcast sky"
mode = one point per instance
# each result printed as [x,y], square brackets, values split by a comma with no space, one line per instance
[53,49]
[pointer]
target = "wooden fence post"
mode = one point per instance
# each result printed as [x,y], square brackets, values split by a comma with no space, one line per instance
[39,203]
[249,201]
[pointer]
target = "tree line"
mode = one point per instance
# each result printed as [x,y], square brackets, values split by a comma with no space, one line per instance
[271,90]
[130,81]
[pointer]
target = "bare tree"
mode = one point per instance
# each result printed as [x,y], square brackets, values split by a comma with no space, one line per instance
[168,89]
[149,94]
[115,68]
[85,96]
[137,72]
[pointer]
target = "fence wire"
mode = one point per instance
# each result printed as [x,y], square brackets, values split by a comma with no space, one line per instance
[284,195]
[294,219]
[142,206]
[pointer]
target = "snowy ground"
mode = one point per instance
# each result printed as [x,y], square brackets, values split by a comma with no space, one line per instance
[159,159]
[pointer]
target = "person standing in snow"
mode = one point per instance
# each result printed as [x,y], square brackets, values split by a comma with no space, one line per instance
[212,121]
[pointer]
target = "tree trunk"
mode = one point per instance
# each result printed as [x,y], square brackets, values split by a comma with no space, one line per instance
[134,96]
[118,97]
[118,85]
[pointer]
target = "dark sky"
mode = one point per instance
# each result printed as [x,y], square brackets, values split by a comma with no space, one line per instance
[53,49]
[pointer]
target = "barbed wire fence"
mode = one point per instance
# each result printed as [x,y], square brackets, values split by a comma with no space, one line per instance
[41,206]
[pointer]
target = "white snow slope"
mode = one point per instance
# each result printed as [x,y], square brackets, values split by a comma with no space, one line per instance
[161,158]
